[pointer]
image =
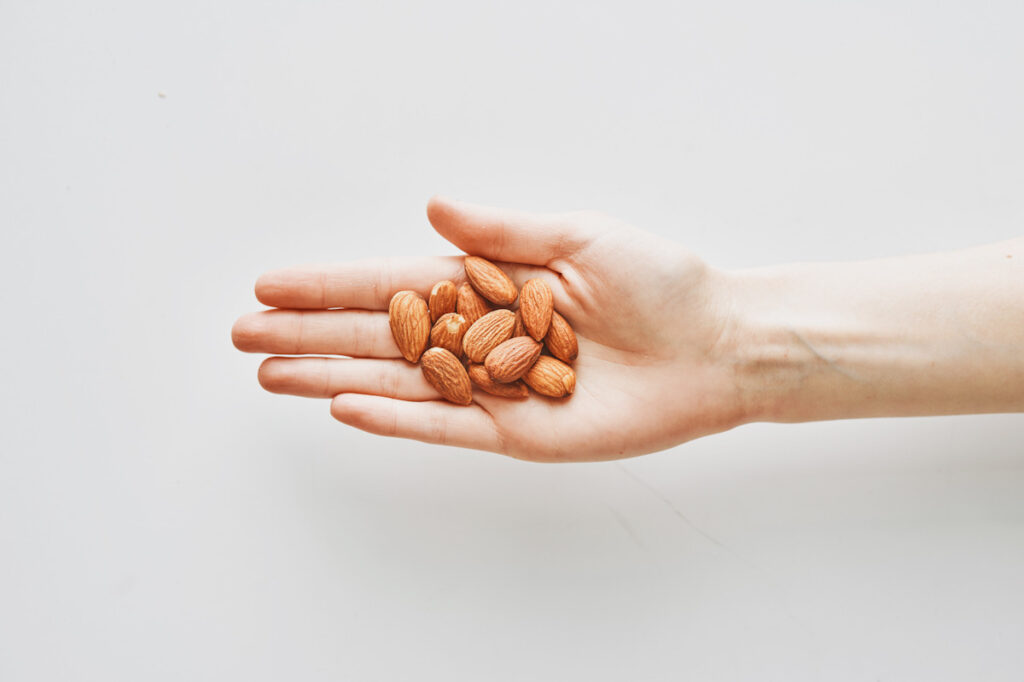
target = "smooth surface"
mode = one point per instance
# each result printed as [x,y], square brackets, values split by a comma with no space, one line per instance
[161,518]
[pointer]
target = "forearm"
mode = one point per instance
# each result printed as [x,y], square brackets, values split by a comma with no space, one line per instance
[920,335]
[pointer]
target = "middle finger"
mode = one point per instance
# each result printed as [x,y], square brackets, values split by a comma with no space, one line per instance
[356,333]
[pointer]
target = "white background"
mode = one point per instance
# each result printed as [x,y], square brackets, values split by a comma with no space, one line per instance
[162,518]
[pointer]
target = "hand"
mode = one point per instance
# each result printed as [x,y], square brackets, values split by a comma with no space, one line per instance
[650,318]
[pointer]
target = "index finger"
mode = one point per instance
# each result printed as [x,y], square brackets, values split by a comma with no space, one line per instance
[370,284]
[367,284]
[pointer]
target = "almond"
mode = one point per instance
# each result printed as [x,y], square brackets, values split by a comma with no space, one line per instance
[479,376]
[410,324]
[487,332]
[510,360]
[442,299]
[551,377]
[519,330]
[490,281]
[536,303]
[448,332]
[471,305]
[561,339]
[445,373]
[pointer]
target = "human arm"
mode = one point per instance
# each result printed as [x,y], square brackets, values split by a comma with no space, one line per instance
[670,348]
[910,336]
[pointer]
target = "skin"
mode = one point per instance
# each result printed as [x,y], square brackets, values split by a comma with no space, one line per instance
[670,348]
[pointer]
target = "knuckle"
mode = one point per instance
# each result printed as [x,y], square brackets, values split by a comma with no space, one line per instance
[382,286]
[327,377]
[437,429]
[391,423]
[363,335]
[388,382]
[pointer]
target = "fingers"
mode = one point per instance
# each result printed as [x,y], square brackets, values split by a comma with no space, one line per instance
[501,234]
[357,333]
[430,422]
[366,284]
[327,377]
[498,234]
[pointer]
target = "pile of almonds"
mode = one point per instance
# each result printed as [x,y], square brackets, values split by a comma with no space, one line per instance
[470,335]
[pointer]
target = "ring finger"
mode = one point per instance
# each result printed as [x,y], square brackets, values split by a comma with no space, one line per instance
[328,377]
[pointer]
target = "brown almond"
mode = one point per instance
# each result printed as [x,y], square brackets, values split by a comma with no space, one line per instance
[519,330]
[479,376]
[442,299]
[561,339]
[487,332]
[490,281]
[551,377]
[410,324]
[470,304]
[448,332]
[536,303]
[510,360]
[445,373]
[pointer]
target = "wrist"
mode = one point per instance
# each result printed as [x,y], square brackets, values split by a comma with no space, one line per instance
[784,350]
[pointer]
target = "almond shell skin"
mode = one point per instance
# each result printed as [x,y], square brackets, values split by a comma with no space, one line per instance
[536,305]
[448,332]
[470,304]
[487,332]
[442,299]
[551,377]
[445,373]
[510,360]
[561,339]
[482,379]
[490,281]
[409,319]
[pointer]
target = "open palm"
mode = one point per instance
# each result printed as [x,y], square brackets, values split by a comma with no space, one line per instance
[650,317]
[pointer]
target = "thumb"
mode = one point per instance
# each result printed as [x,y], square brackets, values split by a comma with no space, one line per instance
[503,234]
